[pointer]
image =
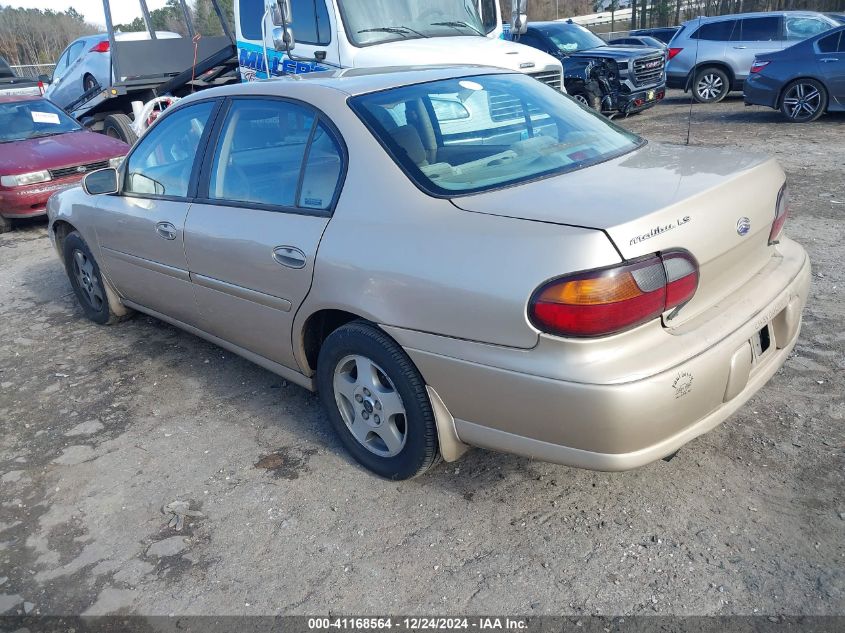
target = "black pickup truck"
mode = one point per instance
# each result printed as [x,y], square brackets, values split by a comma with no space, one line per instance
[11,85]
[612,79]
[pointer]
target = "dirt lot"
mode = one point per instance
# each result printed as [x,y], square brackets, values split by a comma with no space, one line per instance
[103,427]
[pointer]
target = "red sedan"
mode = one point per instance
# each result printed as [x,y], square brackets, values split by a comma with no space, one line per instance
[42,151]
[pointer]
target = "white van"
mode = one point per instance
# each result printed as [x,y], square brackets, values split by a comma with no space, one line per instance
[369,33]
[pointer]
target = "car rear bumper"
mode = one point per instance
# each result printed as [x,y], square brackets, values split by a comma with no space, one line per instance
[31,201]
[760,91]
[626,424]
[677,82]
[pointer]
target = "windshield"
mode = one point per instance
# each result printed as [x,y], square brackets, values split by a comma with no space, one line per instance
[21,120]
[571,38]
[370,22]
[477,133]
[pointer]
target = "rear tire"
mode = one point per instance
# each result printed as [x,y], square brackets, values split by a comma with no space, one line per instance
[803,101]
[89,83]
[119,126]
[87,281]
[710,85]
[377,402]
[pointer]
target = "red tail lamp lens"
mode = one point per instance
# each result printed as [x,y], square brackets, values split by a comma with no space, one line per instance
[101,47]
[674,51]
[612,300]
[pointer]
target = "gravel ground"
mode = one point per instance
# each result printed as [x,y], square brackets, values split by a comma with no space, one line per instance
[103,429]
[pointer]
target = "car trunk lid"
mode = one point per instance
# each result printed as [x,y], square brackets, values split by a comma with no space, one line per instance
[716,204]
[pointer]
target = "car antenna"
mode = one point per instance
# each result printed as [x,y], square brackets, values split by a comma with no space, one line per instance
[691,86]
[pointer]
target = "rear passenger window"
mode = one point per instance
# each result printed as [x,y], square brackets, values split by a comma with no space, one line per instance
[322,172]
[716,31]
[758,30]
[831,43]
[275,153]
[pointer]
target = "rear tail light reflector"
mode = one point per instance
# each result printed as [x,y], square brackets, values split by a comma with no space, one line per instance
[674,52]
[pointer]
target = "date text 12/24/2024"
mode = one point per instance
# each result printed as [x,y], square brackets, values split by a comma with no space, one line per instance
[416,624]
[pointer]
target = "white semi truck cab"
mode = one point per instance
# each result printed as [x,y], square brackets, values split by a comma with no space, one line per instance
[325,34]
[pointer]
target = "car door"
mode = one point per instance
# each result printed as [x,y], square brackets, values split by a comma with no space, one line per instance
[269,183]
[141,230]
[752,37]
[53,90]
[830,59]
[63,92]
[313,32]
[71,88]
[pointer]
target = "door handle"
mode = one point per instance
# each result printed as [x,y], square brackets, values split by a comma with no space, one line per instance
[740,47]
[289,257]
[829,59]
[166,231]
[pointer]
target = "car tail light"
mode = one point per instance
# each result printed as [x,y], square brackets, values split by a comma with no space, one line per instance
[756,67]
[612,300]
[781,214]
[673,52]
[101,47]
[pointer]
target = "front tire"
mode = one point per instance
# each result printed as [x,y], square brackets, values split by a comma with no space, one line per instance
[710,85]
[377,402]
[587,97]
[804,100]
[87,281]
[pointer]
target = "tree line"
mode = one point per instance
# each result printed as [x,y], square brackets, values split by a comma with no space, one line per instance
[171,17]
[649,13]
[37,36]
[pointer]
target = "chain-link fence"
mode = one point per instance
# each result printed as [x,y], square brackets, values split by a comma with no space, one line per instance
[34,71]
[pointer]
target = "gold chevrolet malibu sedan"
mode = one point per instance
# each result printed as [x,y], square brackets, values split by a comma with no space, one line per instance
[452,257]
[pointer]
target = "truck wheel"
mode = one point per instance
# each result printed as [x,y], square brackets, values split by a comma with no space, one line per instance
[119,126]
[5,224]
[377,402]
[586,97]
[710,85]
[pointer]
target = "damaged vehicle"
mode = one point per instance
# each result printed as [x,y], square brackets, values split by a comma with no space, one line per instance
[611,79]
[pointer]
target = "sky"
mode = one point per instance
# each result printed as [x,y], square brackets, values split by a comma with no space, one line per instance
[122,10]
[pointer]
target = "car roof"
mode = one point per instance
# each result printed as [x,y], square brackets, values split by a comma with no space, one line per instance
[758,14]
[356,81]
[20,98]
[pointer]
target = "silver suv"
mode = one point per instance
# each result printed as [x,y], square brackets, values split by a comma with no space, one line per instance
[712,56]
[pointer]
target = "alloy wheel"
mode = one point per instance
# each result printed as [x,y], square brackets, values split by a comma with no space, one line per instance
[89,284]
[581,99]
[370,406]
[802,101]
[709,87]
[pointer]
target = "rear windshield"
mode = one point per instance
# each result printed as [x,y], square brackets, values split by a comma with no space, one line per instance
[478,133]
[21,120]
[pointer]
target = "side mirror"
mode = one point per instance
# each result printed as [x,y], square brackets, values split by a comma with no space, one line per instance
[519,17]
[101,182]
[283,39]
[282,13]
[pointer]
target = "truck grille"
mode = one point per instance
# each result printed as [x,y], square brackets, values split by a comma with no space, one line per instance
[77,170]
[549,77]
[649,70]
